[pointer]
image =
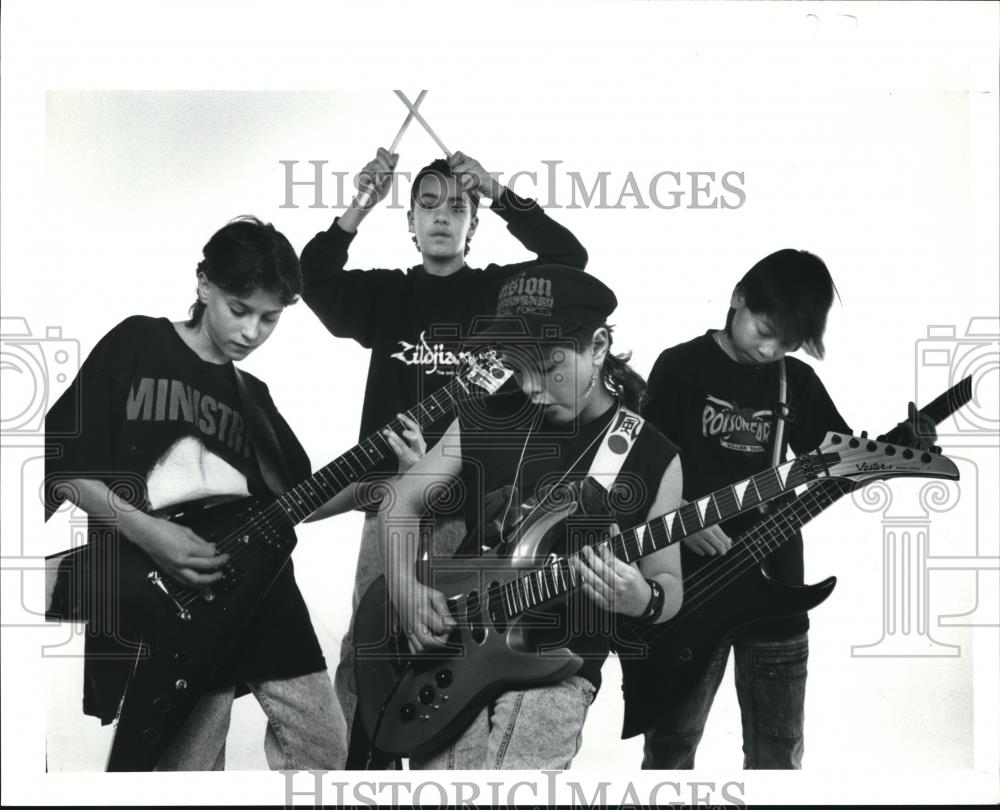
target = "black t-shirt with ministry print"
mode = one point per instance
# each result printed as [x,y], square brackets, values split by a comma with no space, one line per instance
[152,420]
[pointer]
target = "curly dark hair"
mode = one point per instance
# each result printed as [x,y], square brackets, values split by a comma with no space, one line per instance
[245,255]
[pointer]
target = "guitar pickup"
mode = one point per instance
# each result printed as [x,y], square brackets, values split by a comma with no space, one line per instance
[231,577]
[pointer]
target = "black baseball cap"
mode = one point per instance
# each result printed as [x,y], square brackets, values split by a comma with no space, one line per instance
[546,300]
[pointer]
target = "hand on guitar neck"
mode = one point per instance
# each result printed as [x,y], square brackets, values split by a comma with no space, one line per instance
[408,445]
[918,430]
[612,585]
[710,541]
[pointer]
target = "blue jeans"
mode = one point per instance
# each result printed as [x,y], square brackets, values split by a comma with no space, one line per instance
[530,729]
[305,727]
[771,688]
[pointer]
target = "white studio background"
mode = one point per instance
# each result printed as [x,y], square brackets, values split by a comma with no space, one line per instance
[865,134]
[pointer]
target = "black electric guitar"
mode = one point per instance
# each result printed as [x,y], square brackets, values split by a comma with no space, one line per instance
[181,635]
[415,704]
[685,643]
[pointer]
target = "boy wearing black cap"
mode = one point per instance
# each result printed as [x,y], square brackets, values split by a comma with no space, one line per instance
[516,453]
[414,320]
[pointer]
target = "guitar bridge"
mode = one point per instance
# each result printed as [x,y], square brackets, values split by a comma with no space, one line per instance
[156,580]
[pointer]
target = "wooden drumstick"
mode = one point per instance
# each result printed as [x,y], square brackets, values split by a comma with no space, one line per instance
[406,123]
[423,123]
[365,197]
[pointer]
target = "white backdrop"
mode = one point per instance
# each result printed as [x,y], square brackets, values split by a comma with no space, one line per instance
[866,134]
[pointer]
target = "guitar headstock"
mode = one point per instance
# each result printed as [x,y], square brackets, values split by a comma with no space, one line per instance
[859,458]
[485,371]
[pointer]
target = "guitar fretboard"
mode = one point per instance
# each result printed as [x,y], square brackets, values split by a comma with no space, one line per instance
[306,497]
[749,551]
[557,578]
[778,527]
[781,525]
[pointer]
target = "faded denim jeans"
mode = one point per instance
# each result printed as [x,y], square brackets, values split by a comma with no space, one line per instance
[771,688]
[540,728]
[446,535]
[305,727]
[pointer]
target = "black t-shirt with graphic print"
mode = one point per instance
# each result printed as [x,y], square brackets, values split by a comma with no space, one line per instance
[511,459]
[414,322]
[161,427]
[721,415]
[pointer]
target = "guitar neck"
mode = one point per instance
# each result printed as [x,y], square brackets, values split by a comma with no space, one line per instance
[950,401]
[778,527]
[721,505]
[557,578]
[307,496]
[781,525]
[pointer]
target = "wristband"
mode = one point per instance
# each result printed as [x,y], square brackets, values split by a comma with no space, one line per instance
[655,606]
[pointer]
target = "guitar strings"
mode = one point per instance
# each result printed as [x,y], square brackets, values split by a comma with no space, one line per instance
[770,533]
[774,530]
[536,420]
[265,518]
[757,541]
[481,371]
[285,504]
[616,543]
[738,561]
[763,539]
[709,581]
[706,580]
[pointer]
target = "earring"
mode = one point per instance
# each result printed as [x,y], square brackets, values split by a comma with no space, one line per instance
[593,382]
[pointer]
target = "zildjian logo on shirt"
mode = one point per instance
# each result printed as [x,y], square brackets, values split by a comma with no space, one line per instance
[423,354]
[741,429]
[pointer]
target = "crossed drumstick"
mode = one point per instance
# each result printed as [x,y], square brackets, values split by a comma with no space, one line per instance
[364,198]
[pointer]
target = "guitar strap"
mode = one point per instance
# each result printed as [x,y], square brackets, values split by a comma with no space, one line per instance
[263,440]
[781,414]
[620,437]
